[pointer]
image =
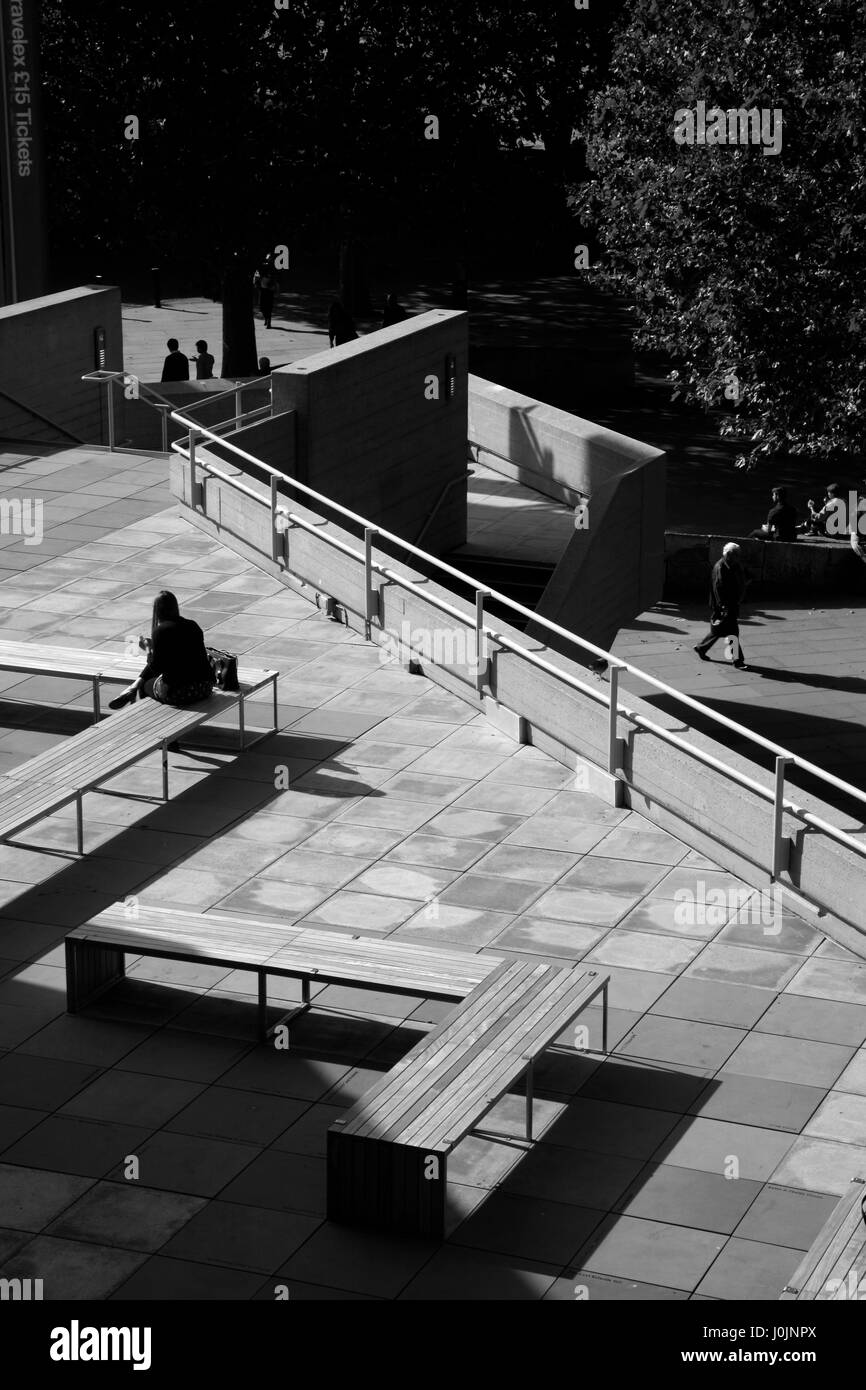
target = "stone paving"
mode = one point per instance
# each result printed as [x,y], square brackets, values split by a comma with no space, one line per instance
[804,687]
[698,1161]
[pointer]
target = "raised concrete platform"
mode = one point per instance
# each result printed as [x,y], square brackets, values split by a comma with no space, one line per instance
[802,569]
[406,816]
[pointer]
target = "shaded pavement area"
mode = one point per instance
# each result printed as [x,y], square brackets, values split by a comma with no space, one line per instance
[737,1039]
[805,687]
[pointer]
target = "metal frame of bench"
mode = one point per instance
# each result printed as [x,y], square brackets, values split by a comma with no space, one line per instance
[95,956]
[380,1153]
[36,789]
[511,1013]
[37,659]
[837,1256]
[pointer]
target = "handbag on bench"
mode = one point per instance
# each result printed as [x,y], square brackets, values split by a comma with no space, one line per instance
[224,667]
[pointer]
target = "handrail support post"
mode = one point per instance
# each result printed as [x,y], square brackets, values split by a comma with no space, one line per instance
[480,641]
[371,595]
[781,845]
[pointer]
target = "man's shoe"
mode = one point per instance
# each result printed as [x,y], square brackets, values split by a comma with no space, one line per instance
[739,665]
[701,654]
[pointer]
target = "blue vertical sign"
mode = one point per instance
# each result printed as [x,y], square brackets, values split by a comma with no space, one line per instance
[22,168]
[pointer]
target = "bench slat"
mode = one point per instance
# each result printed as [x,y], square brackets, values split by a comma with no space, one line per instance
[444,1048]
[406,968]
[837,1255]
[84,664]
[433,1115]
[23,803]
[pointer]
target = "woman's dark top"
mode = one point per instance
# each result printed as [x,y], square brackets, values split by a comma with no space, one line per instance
[782,521]
[178,654]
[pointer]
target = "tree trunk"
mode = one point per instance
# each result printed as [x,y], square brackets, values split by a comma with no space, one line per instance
[240,355]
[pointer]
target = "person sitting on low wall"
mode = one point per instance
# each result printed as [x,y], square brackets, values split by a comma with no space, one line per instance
[819,516]
[781,523]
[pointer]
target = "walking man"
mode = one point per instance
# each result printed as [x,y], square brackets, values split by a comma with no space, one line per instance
[727,587]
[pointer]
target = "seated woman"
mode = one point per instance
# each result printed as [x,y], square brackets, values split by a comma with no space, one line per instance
[178,671]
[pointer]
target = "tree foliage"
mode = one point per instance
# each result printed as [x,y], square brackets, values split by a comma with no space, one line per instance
[740,262]
[269,125]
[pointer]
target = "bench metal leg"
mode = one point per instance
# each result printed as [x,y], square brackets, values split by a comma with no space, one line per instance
[79,821]
[530,1078]
[91,969]
[165,771]
[241,723]
[294,1012]
[263,1006]
[97,711]
[276,707]
[604,1019]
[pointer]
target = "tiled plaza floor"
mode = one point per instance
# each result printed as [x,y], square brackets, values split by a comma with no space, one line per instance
[805,684]
[699,1160]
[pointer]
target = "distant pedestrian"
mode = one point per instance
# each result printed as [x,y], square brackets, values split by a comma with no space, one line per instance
[267,285]
[781,523]
[203,362]
[727,587]
[341,325]
[176,365]
[393,312]
[264,365]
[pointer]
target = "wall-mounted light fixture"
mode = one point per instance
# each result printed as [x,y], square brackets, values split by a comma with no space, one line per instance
[99,348]
[450,377]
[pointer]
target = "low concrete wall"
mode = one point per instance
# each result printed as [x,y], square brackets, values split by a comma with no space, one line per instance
[705,808]
[777,569]
[373,435]
[613,569]
[46,346]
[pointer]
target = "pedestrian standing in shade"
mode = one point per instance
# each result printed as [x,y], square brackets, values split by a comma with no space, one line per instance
[176,365]
[203,362]
[727,587]
[267,285]
[341,325]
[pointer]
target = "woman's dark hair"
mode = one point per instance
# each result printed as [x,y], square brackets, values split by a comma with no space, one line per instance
[165,610]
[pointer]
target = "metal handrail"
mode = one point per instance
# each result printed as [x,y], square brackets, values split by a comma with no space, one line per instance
[111,378]
[37,415]
[784,757]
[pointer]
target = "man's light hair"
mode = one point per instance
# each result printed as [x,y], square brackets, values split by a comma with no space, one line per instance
[731,549]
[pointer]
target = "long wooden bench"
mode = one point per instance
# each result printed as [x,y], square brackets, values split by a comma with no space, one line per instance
[834,1268]
[65,772]
[118,668]
[387,1157]
[95,955]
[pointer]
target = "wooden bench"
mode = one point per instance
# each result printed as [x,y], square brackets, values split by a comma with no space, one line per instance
[117,668]
[65,772]
[95,956]
[834,1269]
[387,1157]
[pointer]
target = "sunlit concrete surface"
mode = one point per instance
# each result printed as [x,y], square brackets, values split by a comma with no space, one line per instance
[699,1160]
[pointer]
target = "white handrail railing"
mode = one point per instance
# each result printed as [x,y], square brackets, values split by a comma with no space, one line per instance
[783,757]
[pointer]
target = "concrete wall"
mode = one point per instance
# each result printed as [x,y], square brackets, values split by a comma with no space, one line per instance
[369,437]
[46,346]
[777,569]
[705,808]
[614,569]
